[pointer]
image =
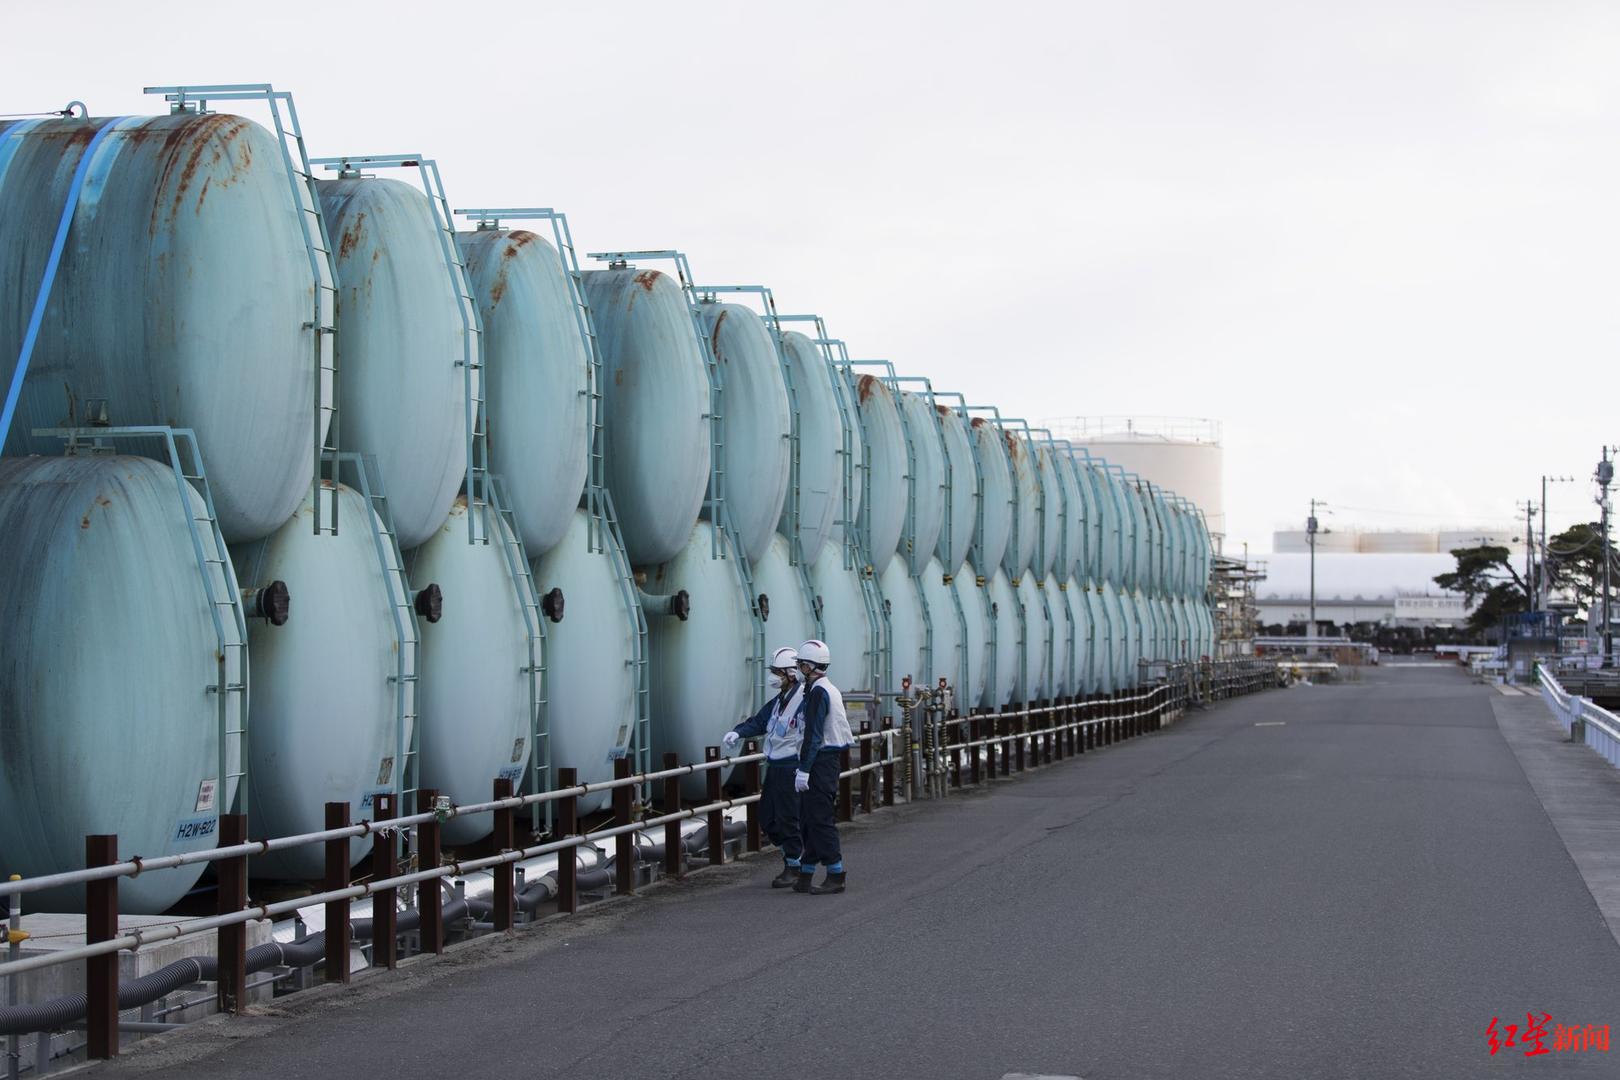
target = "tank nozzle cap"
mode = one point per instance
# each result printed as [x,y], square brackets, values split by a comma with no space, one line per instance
[272,603]
[551,605]
[429,603]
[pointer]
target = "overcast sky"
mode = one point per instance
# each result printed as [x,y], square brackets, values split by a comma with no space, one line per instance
[1376,240]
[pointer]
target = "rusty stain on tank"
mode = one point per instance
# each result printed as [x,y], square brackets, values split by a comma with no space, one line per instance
[351,235]
[646,279]
[866,385]
[714,337]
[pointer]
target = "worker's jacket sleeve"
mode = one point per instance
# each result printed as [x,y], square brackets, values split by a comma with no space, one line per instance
[815,727]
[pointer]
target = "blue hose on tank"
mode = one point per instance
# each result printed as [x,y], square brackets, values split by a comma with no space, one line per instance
[31,335]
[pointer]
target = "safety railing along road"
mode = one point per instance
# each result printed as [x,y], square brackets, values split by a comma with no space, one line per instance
[1582,720]
[931,749]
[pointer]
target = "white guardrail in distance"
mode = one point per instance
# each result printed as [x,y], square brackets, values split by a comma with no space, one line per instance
[1601,728]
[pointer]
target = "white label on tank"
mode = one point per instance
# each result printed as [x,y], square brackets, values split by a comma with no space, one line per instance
[205,795]
[385,771]
[517,750]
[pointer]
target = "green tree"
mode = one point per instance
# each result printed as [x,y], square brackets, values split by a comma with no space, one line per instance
[1488,582]
[1575,563]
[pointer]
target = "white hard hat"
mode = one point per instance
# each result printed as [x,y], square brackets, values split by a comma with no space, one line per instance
[784,659]
[815,652]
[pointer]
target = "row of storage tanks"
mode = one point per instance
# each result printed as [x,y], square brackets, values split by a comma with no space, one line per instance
[755,488]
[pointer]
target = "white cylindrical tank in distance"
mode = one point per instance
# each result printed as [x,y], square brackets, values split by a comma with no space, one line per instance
[323,720]
[821,446]
[537,371]
[184,296]
[473,697]
[927,477]
[888,468]
[699,672]
[590,680]
[655,402]
[844,616]
[110,653]
[401,347]
[758,426]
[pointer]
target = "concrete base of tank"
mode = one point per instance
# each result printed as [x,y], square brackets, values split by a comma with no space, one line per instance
[51,933]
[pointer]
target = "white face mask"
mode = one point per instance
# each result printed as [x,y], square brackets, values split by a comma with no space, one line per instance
[779,681]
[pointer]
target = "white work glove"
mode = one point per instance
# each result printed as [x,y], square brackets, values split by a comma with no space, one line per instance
[730,743]
[801,780]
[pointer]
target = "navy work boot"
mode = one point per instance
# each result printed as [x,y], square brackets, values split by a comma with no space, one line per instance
[789,875]
[807,874]
[833,883]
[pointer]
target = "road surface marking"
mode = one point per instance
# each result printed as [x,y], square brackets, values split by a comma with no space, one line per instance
[1269,723]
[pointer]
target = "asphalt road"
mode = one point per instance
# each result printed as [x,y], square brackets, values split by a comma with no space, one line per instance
[1353,889]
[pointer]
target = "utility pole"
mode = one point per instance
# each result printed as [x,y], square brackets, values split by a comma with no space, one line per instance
[1605,476]
[1529,553]
[1310,538]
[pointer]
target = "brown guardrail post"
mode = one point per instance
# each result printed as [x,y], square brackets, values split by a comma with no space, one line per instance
[337,911]
[567,858]
[101,924]
[505,875]
[954,741]
[384,914]
[624,844]
[888,762]
[751,786]
[973,751]
[717,817]
[1055,739]
[672,805]
[430,894]
[230,991]
[866,774]
[846,801]
[1020,724]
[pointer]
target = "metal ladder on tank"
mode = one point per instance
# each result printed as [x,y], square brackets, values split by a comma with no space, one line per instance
[218,578]
[796,560]
[490,218]
[960,680]
[534,627]
[402,778]
[725,542]
[317,245]
[472,329]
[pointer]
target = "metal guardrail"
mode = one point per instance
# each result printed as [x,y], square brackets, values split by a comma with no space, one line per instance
[1598,728]
[881,763]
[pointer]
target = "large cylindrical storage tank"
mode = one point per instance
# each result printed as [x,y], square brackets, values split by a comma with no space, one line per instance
[1026,506]
[699,672]
[1119,635]
[889,472]
[1063,661]
[1132,621]
[1080,618]
[537,372]
[821,446]
[1184,629]
[402,393]
[927,478]
[1009,630]
[1103,637]
[975,601]
[1072,560]
[184,296]
[844,617]
[996,491]
[1182,454]
[1052,547]
[908,635]
[473,695]
[956,538]
[590,681]
[790,620]
[1104,534]
[110,650]
[950,651]
[324,717]
[756,422]
[1037,641]
[655,404]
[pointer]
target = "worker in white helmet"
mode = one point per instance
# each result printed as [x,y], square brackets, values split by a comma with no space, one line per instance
[826,734]
[779,721]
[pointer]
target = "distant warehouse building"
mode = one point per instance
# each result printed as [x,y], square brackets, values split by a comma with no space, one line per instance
[1390,598]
